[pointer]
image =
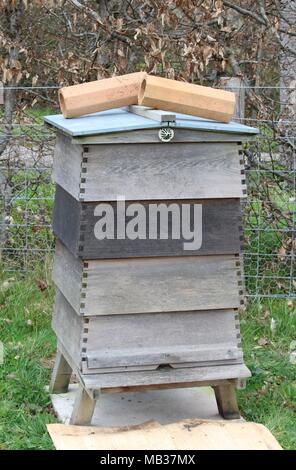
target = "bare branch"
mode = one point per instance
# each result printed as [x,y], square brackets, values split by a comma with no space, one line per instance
[245,12]
[96,17]
[85,9]
[261,19]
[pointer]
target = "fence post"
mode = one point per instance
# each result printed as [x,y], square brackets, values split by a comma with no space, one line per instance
[1,94]
[236,85]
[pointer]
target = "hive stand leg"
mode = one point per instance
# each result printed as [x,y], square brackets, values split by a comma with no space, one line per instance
[83,408]
[226,401]
[61,375]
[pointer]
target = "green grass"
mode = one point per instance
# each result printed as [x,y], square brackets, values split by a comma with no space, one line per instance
[270,396]
[37,113]
[28,340]
[25,409]
[23,123]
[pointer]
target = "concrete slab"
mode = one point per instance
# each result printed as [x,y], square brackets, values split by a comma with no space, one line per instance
[164,406]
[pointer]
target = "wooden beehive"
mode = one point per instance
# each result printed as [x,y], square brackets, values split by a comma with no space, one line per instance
[146,312]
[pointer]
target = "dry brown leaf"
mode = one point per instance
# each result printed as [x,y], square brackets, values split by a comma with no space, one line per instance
[42,285]
[266,314]
[282,253]
[263,341]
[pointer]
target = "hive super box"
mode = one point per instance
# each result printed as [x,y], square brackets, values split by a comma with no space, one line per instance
[144,312]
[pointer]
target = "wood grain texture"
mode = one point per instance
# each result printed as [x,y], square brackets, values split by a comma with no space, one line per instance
[68,327]
[165,375]
[226,401]
[190,434]
[125,340]
[74,223]
[147,284]
[145,136]
[152,113]
[161,285]
[113,343]
[67,274]
[187,98]
[194,357]
[100,95]
[67,164]
[147,388]
[67,219]
[157,171]
[61,375]
[83,408]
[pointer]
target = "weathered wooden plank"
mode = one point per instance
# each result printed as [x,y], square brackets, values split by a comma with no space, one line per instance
[125,340]
[137,382]
[154,379]
[68,327]
[83,408]
[67,275]
[67,164]
[67,219]
[172,355]
[161,285]
[74,366]
[165,375]
[151,136]
[152,113]
[71,333]
[147,388]
[61,375]
[189,434]
[226,401]
[156,171]
[74,224]
[147,339]
[161,330]
[147,284]
[105,370]
[208,363]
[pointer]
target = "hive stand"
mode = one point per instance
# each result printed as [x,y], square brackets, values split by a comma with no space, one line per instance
[85,400]
[143,314]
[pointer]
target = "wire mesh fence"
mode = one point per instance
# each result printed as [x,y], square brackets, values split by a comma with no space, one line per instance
[269,220]
[27,194]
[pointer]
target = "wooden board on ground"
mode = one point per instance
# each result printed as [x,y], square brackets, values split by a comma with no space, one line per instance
[189,434]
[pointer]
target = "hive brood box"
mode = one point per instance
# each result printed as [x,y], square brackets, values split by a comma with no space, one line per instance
[146,312]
